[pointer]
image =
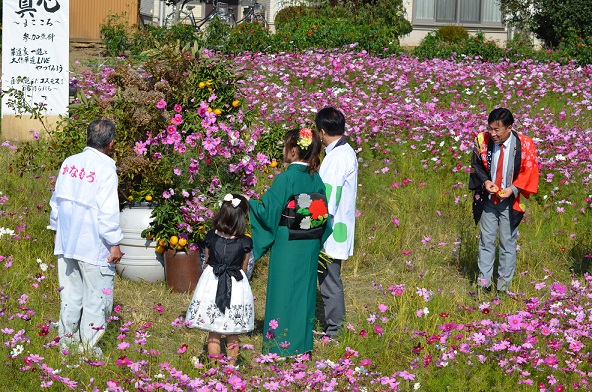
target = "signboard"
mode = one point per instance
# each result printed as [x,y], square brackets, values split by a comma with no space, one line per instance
[35,57]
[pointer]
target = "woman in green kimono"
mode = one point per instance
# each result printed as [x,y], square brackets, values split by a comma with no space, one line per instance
[292,279]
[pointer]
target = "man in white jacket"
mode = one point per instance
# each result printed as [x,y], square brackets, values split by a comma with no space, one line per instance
[339,171]
[85,217]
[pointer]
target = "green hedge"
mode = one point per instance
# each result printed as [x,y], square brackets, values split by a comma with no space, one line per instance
[302,28]
[572,48]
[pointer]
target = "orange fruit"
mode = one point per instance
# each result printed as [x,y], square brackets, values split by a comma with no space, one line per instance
[162,243]
[130,198]
[174,240]
[159,249]
[273,163]
[217,112]
[148,198]
[149,236]
[235,103]
[182,242]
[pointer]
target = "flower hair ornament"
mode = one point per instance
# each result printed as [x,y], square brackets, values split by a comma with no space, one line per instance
[235,201]
[305,138]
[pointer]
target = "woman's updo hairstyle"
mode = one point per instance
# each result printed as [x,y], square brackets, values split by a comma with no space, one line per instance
[309,145]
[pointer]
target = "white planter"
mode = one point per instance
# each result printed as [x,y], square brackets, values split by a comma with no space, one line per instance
[141,261]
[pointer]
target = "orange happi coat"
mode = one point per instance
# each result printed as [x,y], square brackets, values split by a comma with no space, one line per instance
[526,168]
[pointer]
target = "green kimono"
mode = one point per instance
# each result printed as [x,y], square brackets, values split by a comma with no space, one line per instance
[293,265]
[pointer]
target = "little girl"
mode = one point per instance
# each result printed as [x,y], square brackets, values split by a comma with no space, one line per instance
[222,303]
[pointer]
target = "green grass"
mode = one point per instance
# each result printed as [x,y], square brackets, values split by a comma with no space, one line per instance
[426,203]
[379,260]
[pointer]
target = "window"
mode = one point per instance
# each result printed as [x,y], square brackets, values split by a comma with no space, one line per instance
[464,12]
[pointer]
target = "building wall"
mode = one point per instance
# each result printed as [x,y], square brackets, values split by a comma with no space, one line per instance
[414,38]
[150,9]
[500,35]
[273,6]
[87,16]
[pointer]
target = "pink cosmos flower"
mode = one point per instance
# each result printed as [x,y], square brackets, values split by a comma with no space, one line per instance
[203,109]
[107,291]
[140,148]
[365,362]
[236,383]
[35,134]
[285,344]
[177,119]
[122,361]
[515,321]
[273,324]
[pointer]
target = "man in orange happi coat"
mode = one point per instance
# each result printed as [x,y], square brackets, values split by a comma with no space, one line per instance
[504,166]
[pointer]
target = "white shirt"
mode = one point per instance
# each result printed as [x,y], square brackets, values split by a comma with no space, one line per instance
[339,171]
[85,208]
[495,161]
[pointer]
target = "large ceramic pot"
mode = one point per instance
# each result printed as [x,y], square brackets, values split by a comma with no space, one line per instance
[182,269]
[141,261]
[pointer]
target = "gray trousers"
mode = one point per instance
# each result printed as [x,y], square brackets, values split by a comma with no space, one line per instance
[333,299]
[496,218]
[86,301]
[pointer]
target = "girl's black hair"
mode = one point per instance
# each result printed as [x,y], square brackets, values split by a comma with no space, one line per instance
[232,220]
[309,155]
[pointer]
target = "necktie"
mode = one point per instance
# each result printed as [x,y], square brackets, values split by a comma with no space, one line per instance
[499,169]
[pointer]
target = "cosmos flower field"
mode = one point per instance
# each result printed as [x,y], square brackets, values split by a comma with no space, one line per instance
[414,323]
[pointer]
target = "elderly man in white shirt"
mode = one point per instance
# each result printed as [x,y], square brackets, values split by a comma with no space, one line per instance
[85,218]
[339,171]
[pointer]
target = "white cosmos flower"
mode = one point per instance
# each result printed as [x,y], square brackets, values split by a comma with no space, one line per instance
[4,230]
[17,350]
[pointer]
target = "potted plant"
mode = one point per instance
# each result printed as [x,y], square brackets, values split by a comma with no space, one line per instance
[182,140]
[206,156]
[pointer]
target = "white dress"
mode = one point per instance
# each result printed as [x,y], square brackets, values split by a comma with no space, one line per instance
[219,287]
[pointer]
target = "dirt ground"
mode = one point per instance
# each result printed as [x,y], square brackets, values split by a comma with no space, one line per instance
[81,53]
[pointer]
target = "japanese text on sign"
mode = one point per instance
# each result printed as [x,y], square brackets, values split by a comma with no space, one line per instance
[36,56]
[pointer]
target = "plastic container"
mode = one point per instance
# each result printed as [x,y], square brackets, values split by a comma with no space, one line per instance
[141,261]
